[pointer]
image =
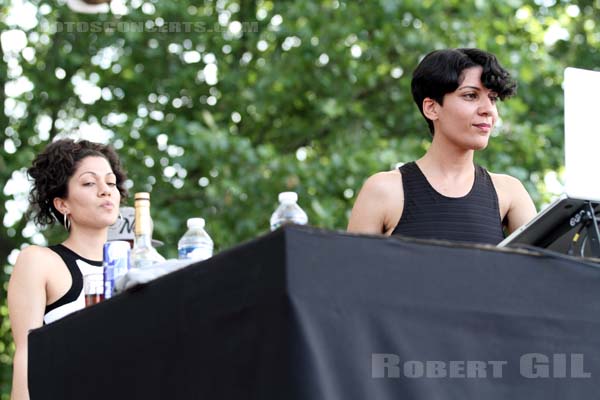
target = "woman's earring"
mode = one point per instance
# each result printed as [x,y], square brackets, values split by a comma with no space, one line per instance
[66,222]
[120,215]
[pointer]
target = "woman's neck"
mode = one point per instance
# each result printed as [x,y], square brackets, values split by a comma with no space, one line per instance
[87,243]
[447,160]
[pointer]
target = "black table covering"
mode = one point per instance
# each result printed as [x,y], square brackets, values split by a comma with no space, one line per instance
[302,313]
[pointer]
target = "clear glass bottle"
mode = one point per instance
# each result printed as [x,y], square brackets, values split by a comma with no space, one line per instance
[195,244]
[142,254]
[288,211]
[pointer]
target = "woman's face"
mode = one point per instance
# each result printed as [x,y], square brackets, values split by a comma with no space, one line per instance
[93,197]
[468,114]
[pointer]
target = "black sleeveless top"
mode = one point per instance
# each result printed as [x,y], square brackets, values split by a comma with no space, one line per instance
[73,300]
[428,214]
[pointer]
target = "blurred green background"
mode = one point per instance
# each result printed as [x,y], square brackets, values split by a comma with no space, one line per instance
[217,106]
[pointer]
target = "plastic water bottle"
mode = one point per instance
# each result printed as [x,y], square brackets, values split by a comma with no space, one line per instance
[288,212]
[195,244]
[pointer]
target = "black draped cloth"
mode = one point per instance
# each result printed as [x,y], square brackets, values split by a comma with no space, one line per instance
[308,314]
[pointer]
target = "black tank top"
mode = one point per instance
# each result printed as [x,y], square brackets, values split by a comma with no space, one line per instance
[428,214]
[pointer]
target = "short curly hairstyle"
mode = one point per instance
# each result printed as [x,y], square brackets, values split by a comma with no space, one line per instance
[52,168]
[441,72]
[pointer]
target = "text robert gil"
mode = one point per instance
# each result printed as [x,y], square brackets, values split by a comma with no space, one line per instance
[531,365]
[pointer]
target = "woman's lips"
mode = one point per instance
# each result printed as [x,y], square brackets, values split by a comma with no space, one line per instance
[107,205]
[483,127]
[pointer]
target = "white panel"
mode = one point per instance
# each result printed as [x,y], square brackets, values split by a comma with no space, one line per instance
[582,133]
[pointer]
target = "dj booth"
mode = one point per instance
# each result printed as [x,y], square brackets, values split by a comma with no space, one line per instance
[302,313]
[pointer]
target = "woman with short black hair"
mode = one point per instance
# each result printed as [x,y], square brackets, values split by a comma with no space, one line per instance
[444,194]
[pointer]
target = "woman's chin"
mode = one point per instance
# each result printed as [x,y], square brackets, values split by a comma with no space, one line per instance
[480,144]
[107,221]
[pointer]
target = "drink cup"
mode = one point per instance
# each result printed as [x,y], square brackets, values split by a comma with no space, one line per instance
[93,288]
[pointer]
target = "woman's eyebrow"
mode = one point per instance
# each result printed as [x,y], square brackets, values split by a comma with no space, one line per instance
[93,173]
[469,87]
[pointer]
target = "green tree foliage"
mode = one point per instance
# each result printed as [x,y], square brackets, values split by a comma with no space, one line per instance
[311,96]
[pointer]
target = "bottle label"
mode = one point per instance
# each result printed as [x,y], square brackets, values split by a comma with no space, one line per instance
[115,260]
[194,253]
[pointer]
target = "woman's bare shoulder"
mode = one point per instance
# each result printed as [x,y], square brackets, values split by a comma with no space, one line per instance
[36,257]
[508,186]
[379,204]
[33,251]
[504,180]
[385,181]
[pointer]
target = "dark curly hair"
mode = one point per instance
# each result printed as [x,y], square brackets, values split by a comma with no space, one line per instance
[52,168]
[441,72]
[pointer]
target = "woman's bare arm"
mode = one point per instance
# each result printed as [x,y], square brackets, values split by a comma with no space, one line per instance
[379,204]
[26,305]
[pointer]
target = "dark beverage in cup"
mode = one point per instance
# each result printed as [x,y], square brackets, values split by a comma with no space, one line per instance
[91,299]
[93,287]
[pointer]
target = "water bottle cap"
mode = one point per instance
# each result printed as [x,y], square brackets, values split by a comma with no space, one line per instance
[195,223]
[288,197]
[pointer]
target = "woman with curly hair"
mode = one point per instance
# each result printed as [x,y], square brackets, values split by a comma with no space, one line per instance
[444,194]
[79,184]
